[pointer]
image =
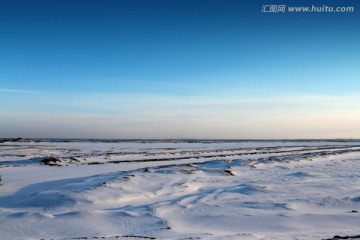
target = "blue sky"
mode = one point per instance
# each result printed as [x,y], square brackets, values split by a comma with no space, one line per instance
[178,69]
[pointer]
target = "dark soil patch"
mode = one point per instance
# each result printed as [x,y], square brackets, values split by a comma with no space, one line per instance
[51,161]
[336,237]
[229,172]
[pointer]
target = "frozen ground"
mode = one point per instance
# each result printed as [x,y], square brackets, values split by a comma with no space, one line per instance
[179,189]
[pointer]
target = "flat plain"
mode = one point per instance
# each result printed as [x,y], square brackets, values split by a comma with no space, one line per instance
[179,189]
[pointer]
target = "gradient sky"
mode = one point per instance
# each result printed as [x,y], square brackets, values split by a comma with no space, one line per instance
[178,69]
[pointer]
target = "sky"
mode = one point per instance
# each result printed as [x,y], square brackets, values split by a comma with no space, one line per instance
[178,69]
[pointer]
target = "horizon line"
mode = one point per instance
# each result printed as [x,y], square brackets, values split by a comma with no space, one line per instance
[41,139]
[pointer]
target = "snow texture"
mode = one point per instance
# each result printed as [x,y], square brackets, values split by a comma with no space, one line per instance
[57,189]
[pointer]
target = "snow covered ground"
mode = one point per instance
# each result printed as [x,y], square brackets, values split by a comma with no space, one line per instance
[179,189]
